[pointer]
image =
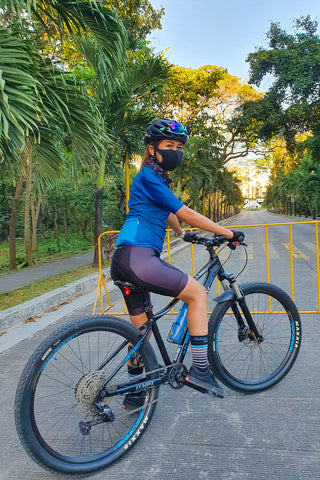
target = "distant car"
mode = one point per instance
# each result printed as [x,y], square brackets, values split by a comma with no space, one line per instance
[252,204]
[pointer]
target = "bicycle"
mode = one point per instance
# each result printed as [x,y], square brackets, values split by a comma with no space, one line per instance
[68,402]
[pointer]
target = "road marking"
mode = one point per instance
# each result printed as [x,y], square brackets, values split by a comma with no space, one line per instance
[296,253]
[250,251]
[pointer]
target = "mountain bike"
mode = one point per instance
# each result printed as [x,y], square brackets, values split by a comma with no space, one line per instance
[68,406]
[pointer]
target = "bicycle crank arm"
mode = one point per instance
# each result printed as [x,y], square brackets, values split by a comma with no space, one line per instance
[188,382]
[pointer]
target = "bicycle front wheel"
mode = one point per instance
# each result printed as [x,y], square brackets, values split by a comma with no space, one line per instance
[56,417]
[236,357]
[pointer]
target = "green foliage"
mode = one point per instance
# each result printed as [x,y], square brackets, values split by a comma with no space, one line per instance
[20,104]
[139,18]
[291,104]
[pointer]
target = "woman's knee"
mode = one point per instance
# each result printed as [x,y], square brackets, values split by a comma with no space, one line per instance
[193,292]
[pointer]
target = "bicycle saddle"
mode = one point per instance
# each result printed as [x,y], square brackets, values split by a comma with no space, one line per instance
[123,285]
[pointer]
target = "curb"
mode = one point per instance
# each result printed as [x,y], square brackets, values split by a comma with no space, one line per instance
[21,313]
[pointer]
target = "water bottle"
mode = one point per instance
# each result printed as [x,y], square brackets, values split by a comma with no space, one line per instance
[179,327]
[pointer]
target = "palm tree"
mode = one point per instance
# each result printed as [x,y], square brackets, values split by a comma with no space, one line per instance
[125,107]
[53,104]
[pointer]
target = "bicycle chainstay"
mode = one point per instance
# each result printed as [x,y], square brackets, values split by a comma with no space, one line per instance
[139,378]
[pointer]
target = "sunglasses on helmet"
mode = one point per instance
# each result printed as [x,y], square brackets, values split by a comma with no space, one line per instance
[177,129]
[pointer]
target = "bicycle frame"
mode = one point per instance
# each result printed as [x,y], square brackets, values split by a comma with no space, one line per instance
[211,270]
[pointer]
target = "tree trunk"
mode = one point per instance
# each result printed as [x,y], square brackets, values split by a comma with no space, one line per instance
[65,228]
[214,206]
[97,225]
[98,213]
[35,210]
[14,214]
[27,208]
[218,206]
[84,225]
[55,222]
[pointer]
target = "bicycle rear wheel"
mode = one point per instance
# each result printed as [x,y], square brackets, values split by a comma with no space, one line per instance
[56,420]
[236,358]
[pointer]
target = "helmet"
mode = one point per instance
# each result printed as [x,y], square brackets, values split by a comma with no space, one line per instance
[166,129]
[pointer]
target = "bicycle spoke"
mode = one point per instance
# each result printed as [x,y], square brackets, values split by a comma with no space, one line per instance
[237,358]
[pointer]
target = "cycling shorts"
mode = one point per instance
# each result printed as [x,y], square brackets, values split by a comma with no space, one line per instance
[143,267]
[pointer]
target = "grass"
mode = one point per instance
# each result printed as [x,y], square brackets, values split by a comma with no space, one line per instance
[10,299]
[49,250]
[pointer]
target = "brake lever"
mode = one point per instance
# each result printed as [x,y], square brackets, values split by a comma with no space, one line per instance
[233,247]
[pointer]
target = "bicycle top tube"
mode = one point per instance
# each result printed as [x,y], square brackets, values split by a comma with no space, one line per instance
[208,269]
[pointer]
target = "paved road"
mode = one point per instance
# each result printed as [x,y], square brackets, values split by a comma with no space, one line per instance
[269,436]
[272,435]
[15,280]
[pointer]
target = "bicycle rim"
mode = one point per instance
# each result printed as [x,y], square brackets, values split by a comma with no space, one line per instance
[55,400]
[246,365]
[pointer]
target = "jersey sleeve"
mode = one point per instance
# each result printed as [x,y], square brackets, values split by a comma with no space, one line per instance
[158,192]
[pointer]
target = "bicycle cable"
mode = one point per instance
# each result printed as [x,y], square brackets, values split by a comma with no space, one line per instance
[230,253]
[245,263]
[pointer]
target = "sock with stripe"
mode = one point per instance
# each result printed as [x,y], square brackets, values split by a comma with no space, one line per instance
[199,351]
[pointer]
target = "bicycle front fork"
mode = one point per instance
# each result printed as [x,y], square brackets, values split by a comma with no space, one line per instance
[229,281]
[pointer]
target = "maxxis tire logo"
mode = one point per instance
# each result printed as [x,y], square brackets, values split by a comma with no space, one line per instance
[135,437]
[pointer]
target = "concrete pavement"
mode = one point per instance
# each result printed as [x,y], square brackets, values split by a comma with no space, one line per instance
[273,435]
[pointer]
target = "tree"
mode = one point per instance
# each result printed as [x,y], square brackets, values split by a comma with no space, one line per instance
[207,99]
[58,101]
[290,108]
[291,104]
[139,18]
[125,108]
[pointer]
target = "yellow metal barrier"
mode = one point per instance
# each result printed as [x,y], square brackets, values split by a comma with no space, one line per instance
[102,288]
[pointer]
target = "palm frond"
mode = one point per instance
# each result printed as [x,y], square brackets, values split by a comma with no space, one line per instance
[76,17]
[20,105]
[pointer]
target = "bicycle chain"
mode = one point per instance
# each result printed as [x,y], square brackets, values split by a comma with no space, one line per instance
[165,368]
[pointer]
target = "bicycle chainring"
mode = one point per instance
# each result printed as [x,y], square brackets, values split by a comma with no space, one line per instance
[177,375]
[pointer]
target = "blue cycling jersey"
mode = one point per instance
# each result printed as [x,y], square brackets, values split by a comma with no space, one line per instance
[150,203]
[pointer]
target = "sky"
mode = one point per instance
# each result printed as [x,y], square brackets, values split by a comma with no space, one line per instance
[224,32]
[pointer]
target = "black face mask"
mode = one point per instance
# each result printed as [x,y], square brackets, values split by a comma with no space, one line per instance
[171,159]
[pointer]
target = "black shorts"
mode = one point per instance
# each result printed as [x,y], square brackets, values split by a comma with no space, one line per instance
[143,267]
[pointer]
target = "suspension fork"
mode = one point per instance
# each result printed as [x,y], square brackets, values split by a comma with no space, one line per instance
[229,281]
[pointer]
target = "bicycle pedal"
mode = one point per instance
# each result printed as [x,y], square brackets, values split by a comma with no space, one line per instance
[188,381]
[196,385]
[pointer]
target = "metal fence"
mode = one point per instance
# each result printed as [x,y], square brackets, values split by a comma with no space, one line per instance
[102,296]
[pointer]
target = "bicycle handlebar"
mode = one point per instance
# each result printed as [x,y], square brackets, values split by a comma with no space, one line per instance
[215,241]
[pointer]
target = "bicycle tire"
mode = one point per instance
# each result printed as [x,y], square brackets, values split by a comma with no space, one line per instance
[56,390]
[246,366]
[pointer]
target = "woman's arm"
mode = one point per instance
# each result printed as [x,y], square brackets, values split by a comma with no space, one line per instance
[197,220]
[173,223]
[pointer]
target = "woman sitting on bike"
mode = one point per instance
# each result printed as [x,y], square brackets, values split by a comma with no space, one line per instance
[152,206]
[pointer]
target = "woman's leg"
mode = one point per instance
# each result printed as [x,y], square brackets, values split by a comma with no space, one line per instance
[195,295]
[138,320]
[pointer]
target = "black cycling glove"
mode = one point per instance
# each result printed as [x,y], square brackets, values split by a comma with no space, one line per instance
[189,236]
[237,236]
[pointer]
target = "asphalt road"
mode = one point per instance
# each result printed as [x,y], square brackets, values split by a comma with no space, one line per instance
[273,435]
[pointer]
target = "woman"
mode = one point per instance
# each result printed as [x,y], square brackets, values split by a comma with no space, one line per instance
[152,206]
